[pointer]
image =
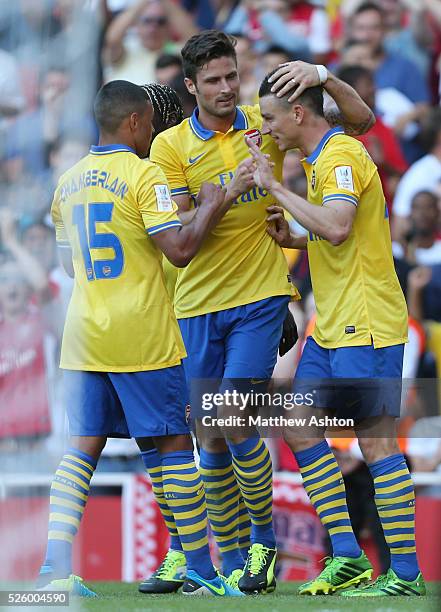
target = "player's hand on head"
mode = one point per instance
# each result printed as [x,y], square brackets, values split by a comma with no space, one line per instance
[300,75]
[278,226]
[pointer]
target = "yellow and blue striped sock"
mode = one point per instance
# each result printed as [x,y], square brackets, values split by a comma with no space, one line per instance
[222,494]
[68,497]
[254,472]
[244,529]
[323,481]
[185,496]
[395,500]
[152,462]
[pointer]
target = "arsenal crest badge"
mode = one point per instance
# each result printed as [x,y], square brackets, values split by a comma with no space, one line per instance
[187,413]
[255,136]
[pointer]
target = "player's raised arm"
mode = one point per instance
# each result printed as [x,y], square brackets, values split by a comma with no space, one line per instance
[333,223]
[345,108]
[180,244]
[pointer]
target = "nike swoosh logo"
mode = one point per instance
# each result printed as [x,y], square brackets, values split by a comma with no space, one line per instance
[192,160]
[258,381]
[219,591]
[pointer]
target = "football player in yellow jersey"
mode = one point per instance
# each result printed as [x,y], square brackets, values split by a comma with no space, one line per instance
[231,301]
[352,364]
[122,348]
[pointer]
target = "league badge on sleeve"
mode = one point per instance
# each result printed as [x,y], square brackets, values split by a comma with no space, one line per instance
[343,176]
[163,198]
[255,136]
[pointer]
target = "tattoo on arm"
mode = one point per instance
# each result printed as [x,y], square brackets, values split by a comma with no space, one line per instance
[334,117]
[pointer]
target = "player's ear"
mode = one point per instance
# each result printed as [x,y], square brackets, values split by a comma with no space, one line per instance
[298,112]
[191,86]
[133,122]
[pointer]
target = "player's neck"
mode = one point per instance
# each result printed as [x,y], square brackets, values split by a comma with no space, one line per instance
[114,139]
[312,136]
[216,124]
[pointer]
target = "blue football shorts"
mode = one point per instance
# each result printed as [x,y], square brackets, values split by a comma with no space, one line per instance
[127,404]
[354,382]
[234,348]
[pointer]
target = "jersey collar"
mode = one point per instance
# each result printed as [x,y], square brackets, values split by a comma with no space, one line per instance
[321,145]
[111,148]
[240,123]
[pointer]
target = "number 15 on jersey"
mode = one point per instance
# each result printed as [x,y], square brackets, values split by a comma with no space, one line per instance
[97,212]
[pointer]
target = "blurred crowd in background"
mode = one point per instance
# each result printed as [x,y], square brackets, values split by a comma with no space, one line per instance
[54,56]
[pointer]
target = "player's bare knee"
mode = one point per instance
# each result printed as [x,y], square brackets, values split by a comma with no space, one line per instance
[298,441]
[91,445]
[171,444]
[214,445]
[145,444]
[375,449]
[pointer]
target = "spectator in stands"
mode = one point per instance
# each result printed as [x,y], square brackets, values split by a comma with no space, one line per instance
[37,237]
[64,153]
[356,53]
[418,259]
[391,71]
[137,36]
[424,174]
[167,67]
[21,191]
[408,32]
[35,133]
[204,11]
[380,141]
[422,244]
[424,293]
[11,97]
[24,321]
[272,58]
[300,28]
[247,66]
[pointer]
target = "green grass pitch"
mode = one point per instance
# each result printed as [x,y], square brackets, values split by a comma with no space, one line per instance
[119,597]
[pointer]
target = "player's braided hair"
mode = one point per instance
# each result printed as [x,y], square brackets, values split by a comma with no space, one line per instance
[167,106]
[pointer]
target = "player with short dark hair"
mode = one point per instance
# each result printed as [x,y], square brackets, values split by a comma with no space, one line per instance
[122,348]
[360,333]
[205,47]
[232,300]
[311,97]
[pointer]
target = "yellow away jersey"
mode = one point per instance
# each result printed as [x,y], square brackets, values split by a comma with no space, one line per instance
[120,318]
[356,290]
[239,262]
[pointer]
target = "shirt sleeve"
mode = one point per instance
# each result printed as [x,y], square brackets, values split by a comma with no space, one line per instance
[60,231]
[159,212]
[343,178]
[165,155]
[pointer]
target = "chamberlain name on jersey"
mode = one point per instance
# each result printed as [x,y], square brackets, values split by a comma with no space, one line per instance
[356,290]
[120,318]
[239,262]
